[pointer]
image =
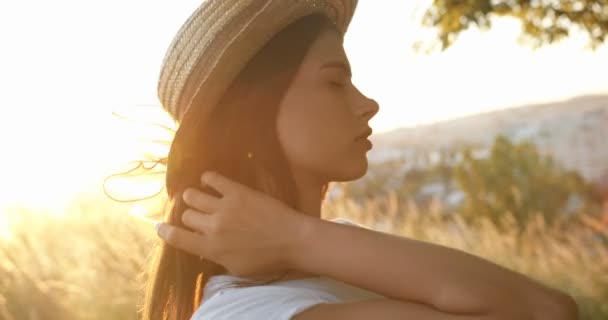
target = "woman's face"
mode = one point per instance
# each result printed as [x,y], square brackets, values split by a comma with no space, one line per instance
[323,113]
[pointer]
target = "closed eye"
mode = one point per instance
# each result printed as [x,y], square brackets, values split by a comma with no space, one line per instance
[337,84]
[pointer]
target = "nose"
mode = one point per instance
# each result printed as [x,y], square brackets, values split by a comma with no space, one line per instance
[368,108]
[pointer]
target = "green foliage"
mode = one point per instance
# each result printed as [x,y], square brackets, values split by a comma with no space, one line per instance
[543,21]
[515,178]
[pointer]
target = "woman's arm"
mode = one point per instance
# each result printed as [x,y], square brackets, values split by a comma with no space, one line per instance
[409,270]
[251,234]
[388,309]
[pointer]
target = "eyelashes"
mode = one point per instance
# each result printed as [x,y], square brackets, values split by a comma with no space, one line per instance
[341,84]
[336,84]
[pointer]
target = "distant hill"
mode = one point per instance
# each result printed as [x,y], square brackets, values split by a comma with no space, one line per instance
[573,131]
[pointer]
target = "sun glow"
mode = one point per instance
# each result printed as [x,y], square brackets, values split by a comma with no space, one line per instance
[58,136]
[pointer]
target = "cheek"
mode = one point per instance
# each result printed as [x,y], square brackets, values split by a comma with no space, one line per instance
[304,132]
[315,134]
[312,116]
[316,138]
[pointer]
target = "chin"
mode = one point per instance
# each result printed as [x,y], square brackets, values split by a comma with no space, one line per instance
[352,171]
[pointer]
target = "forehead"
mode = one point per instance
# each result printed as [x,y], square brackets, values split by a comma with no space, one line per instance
[327,47]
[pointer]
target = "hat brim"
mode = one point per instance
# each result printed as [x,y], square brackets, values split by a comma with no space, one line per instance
[221,37]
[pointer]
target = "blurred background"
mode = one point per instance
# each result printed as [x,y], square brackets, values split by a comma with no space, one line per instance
[489,139]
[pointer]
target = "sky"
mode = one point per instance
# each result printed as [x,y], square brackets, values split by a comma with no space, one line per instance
[66,65]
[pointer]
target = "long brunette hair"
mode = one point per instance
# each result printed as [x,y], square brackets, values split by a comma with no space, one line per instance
[238,140]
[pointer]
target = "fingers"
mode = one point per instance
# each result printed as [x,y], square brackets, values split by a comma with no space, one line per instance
[198,221]
[220,183]
[200,201]
[190,242]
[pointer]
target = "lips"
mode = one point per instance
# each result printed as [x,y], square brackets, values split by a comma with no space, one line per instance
[365,134]
[363,142]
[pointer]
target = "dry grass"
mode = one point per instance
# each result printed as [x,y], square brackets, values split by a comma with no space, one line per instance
[570,256]
[85,264]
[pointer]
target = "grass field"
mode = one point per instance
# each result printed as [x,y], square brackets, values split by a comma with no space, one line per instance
[85,263]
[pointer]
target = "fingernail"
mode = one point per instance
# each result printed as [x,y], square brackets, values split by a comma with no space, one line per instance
[161,229]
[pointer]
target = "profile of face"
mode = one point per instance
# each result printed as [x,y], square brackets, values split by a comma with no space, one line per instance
[322,114]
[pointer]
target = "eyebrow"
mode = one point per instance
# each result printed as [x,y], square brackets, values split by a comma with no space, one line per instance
[339,65]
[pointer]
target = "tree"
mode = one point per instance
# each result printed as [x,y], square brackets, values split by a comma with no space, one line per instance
[517,179]
[543,21]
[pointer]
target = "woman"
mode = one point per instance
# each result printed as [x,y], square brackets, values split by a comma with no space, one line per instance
[268,116]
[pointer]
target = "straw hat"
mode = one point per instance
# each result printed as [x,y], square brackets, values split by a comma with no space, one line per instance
[221,36]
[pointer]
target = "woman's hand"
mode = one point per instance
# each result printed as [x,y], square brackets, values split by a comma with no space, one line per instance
[246,231]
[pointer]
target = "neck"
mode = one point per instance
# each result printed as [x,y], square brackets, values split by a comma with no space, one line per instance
[310,200]
[310,194]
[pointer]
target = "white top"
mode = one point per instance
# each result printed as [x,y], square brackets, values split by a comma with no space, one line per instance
[276,301]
